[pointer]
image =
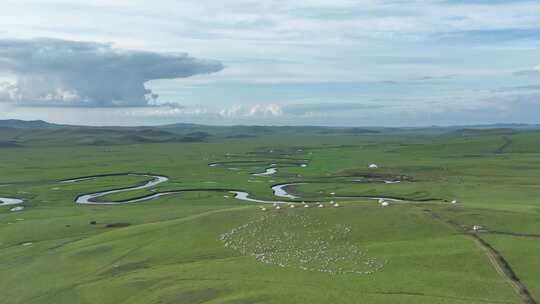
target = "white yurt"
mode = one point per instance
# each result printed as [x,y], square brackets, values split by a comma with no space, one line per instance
[20,208]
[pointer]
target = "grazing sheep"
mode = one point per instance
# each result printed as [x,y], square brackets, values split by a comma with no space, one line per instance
[306,206]
[336,205]
[373,166]
[263,209]
[385,204]
[320,206]
[292,206]
[258,239]
[454,202]
[278,207]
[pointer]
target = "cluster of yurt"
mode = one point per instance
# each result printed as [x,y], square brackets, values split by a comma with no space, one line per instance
[277,206]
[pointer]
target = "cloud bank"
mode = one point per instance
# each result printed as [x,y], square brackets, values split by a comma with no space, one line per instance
[55,72]
[535,72]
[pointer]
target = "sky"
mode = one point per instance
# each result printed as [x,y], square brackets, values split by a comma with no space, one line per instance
[271,62]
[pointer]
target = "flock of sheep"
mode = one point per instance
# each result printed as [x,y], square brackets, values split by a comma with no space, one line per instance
[297,240]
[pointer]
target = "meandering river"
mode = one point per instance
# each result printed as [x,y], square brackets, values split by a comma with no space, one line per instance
[4,201]
[90,198]
[279,190]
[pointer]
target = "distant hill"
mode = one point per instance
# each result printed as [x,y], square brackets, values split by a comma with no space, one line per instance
[481,132]
[19,133]
[24,124]
[504,126]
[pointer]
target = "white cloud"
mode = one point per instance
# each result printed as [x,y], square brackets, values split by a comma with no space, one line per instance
[9,91]
[70,73]
[290,43]
[251,111]
[534,71]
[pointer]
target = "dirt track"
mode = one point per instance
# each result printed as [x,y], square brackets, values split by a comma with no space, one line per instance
[496,259]
[504,146]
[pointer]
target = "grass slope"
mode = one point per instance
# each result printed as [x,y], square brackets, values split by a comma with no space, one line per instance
[171,250]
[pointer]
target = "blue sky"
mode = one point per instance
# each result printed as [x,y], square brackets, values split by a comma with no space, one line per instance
[340,62]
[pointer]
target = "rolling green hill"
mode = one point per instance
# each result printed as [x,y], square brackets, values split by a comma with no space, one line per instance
[198,244]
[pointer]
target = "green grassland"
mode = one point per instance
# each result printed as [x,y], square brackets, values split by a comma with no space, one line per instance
[207,247]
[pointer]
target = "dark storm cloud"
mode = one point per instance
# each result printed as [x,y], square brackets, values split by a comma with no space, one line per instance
[71,73]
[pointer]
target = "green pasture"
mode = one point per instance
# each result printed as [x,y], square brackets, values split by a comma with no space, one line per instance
[207,247]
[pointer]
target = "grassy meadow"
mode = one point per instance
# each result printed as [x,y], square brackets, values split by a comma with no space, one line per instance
[205,246]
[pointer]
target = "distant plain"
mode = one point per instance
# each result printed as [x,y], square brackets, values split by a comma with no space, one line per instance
[205,246]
